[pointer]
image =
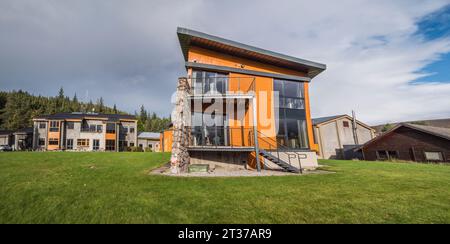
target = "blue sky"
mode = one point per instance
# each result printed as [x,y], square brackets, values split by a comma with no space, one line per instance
[434,26]
[127,52]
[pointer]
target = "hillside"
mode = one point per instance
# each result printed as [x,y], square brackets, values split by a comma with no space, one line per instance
[434,122]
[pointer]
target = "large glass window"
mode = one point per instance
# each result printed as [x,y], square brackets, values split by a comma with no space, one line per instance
[291,120]
[209,82]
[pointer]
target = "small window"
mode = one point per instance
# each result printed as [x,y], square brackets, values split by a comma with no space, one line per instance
[69,144]
[110,145]
[382,155]
[125,130]
[141,146]
[131,129]
[95,144]
[346,124]
[150,145]
[131,144]
[83,142]
[434,156]
[53,141]
[111,128]
[41,142]
[92,128]
[54,126]
[42,125]
[70,125]
[99,128]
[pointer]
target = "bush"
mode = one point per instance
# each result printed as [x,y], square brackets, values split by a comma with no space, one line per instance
[135,149]
[148,149]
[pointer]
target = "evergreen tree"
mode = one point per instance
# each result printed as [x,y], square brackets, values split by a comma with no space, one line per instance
[114,109]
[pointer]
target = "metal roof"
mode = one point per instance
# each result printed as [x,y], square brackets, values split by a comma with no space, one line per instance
[436,131]
[190,38]
[109,117]
[321,120]
[149,135]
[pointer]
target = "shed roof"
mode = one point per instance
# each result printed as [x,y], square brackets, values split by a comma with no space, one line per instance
[321,120]
[188,38]
[435,131]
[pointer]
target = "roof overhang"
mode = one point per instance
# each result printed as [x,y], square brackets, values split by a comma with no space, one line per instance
[188,38]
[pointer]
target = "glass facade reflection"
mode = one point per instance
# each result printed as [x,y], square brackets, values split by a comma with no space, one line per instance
[292,117]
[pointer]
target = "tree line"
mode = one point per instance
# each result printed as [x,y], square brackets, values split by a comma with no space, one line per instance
[18,108]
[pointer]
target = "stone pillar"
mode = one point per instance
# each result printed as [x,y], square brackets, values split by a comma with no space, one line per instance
[179,160]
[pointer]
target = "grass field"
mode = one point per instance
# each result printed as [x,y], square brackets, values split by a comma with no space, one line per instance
[116,188]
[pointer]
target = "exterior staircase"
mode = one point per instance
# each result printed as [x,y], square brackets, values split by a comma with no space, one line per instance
[278,161]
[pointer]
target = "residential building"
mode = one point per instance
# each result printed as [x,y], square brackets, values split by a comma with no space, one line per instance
[18,140]
[273,130]
[23,139]
[6,138]
[149,140]
[337,136]
[84,132]
[410,142]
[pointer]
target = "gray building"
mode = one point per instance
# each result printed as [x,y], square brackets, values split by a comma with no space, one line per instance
[149,140]
[18,140]
[84,132]
[6,138]
[337,137]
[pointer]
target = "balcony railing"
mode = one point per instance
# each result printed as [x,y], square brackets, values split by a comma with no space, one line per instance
[91,130]
[218,136]
[222,85]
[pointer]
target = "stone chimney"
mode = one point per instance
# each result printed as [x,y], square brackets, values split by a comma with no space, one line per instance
[180,157]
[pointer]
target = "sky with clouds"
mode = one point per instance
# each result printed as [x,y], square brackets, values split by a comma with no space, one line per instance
[388,60]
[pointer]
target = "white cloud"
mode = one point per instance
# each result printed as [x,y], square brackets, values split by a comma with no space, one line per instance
[128,52]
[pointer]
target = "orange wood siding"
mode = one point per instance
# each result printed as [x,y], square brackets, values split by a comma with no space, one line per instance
[53,135]
[312,145]
[205,56]
[110,136]
[168,139]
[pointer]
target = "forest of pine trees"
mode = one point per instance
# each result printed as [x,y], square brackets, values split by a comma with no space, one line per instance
[17,109]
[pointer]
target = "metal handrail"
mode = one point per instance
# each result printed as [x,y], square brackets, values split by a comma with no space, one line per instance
[298,154]
[244,133]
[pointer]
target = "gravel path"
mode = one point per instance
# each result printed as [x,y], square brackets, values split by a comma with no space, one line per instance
[234,173]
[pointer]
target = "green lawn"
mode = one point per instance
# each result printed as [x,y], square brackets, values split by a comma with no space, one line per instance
[116,188]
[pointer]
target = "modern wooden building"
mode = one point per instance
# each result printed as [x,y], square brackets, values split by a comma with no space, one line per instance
[274,128]
[410,142]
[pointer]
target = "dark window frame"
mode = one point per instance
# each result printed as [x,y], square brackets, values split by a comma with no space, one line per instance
[287,115]
[69,144]
[345,124]
[54,126]
[70,125]
[110,145]
[95,144]
[53,142]
[41,142]
[109,129]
